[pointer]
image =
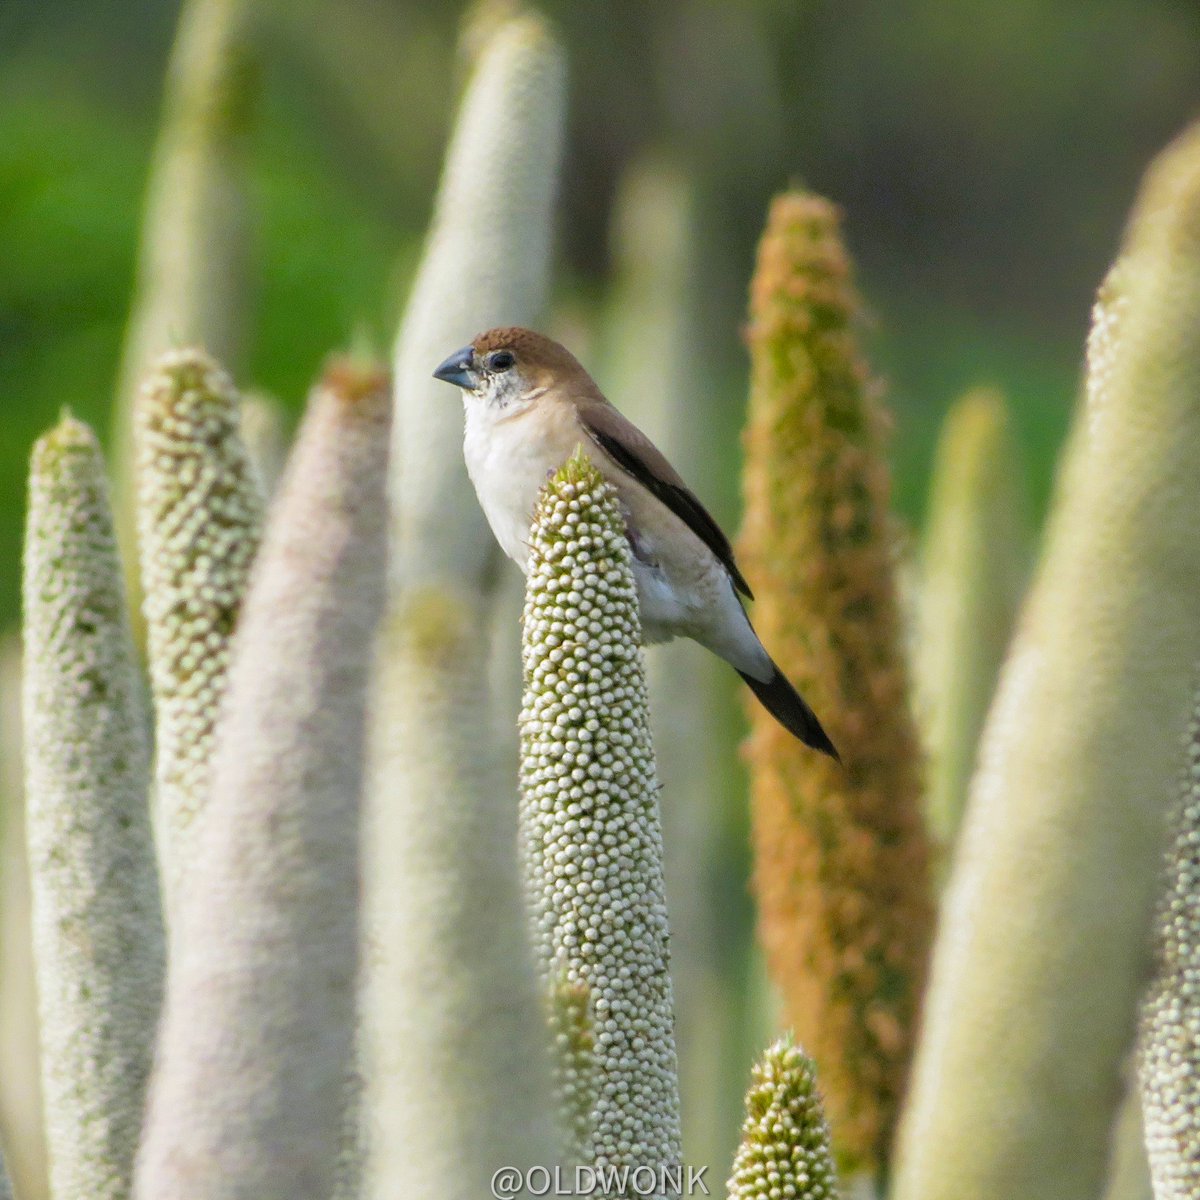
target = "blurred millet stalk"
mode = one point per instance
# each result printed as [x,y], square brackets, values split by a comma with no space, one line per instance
[590,825]
[265,434]
[1041,954]
[653,322]
[257,1038]
[192,265]
[97,924]
[1108,314]
[842,864]
[451,1016]
[1127,1175]
[974,562]
[22,1127]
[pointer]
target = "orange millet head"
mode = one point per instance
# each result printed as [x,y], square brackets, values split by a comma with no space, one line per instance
[841,855]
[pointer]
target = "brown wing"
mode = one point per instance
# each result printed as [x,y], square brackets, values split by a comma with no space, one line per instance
[633,451]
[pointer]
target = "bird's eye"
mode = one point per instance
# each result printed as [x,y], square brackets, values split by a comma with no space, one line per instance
[500,360]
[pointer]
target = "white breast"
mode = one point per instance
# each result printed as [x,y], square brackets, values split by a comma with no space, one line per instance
[508,468]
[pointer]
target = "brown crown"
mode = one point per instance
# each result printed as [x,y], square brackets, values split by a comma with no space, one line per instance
[531,349]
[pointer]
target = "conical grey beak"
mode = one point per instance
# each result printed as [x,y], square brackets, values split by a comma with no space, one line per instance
[457,369]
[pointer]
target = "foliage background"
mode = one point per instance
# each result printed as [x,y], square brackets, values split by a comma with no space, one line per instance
[985,155]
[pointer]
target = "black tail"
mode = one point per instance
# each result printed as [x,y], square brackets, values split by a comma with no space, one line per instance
[787,706]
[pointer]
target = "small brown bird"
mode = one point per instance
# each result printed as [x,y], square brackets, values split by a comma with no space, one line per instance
[529,404]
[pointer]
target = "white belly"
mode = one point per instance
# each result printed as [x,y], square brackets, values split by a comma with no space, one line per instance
[664,611]
[702,606]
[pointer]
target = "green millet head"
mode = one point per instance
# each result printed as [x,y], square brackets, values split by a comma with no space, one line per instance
[784,1151]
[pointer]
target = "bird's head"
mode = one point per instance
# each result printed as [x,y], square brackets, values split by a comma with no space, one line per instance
[511,366]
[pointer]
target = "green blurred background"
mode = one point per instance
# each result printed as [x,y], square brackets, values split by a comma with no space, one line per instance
[984,153]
